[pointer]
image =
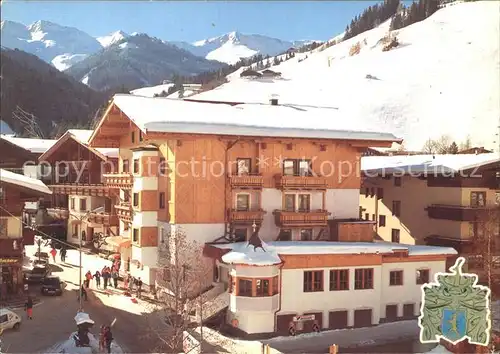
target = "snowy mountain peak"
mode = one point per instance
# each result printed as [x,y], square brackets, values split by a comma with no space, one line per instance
[112,38]
[43,25]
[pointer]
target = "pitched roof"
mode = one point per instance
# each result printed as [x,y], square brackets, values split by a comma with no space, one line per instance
[426,163]
[24,181]
[36,146]
[178,116]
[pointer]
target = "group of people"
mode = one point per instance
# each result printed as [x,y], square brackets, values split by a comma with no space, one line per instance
[109,276]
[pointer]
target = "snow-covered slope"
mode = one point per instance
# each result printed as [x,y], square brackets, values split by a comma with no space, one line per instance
[112,38]
[150,91]
[444,78]
[231,47]
[56,44]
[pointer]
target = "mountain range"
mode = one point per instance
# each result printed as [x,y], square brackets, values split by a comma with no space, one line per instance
[64,46]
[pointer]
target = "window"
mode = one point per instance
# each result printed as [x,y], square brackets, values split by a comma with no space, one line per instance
[162,200]
[3,318]
[242,202]
[162,168]
[135,235]
[476,229]
[75,231]
[83,204]
[262,287]
[125,226]
[313,281]
[374,217]
[363,278]
[381,220]
[361,212]
[140,136]
[73,203]
[477,199]
[285,235]
[243,166]
[339,279]
[380,193]
[135,199]
[367,216]
[396,208]
[422,276]
[136,166]
[244,287]
[396,277]
[397,181]
[290,202]
[125,166]
[395,235]
[288,167]
[304,202]
[297,167]
[126,197]
[132,137]
[306,234]
[276,285]
[240,235]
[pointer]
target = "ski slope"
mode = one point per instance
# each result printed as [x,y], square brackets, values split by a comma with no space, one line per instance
[444,78]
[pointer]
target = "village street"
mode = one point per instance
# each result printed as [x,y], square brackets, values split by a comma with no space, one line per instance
[53,319]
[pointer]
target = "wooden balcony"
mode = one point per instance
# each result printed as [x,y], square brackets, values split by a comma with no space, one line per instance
[119,180]
[456,212]
[91,190]
[246,181]
[301,218]
[246,216]
[124,212]
[58,213]
[301,182]
[103,218]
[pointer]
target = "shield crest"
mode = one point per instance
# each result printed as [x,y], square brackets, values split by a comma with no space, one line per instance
[454,324]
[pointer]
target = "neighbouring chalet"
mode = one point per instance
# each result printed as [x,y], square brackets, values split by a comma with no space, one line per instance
[444,200]
[270,73]
[79,195]
[257,176]
[15,190]
[250,73]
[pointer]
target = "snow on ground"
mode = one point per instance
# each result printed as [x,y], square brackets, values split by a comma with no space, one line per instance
[65,61]
[23,181]
[152,90]
[442,79]
[438,350]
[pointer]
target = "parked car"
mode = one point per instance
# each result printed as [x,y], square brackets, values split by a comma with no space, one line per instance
[37,274]
[42,255]
[52,285]
[41,262]
[9,319]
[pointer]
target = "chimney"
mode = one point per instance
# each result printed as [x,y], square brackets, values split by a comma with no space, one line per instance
[273,101]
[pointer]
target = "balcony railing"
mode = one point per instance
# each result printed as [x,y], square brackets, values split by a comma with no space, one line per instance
[119,180]
[301,182]
[103,218]
[124,212]
[246,181]
[285,218]
[93,190]
[246,216]
[59,213]
[456,212]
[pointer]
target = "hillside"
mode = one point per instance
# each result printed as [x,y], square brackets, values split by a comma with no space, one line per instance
[60,45]
[55,99]
[138,61]
[443,78]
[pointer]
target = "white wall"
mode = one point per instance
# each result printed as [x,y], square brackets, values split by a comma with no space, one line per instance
[252,322]
[271,200]
[145,184]
[342,203]
[14,227]
[145,218]
[147,256]
[200,233]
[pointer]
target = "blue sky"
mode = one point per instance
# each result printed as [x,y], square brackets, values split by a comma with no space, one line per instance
[191,21]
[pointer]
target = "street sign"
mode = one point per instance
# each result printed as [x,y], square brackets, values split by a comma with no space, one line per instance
[303,318]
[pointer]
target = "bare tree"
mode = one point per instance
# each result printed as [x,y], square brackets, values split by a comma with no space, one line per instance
[430,147]
[29,122]
[441,145]
[466,144]
[184,287]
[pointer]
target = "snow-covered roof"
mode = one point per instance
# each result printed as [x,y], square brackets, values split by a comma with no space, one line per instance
[23,181]
[425,163]
[178,116]
[243,253]
[151,91]
[36,146]
[82,136]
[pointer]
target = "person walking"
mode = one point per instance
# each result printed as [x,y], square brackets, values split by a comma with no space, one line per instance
[105,275]
[97,277]
[88,278]
[139,287]
[28,306]
[108,338]
[83,293]
[53,252]
[101,338]
[63,254]
[114,275]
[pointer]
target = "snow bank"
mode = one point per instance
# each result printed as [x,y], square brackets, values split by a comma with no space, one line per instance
[245,253]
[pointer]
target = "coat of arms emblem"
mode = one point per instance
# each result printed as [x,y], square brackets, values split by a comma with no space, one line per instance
[455,308]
